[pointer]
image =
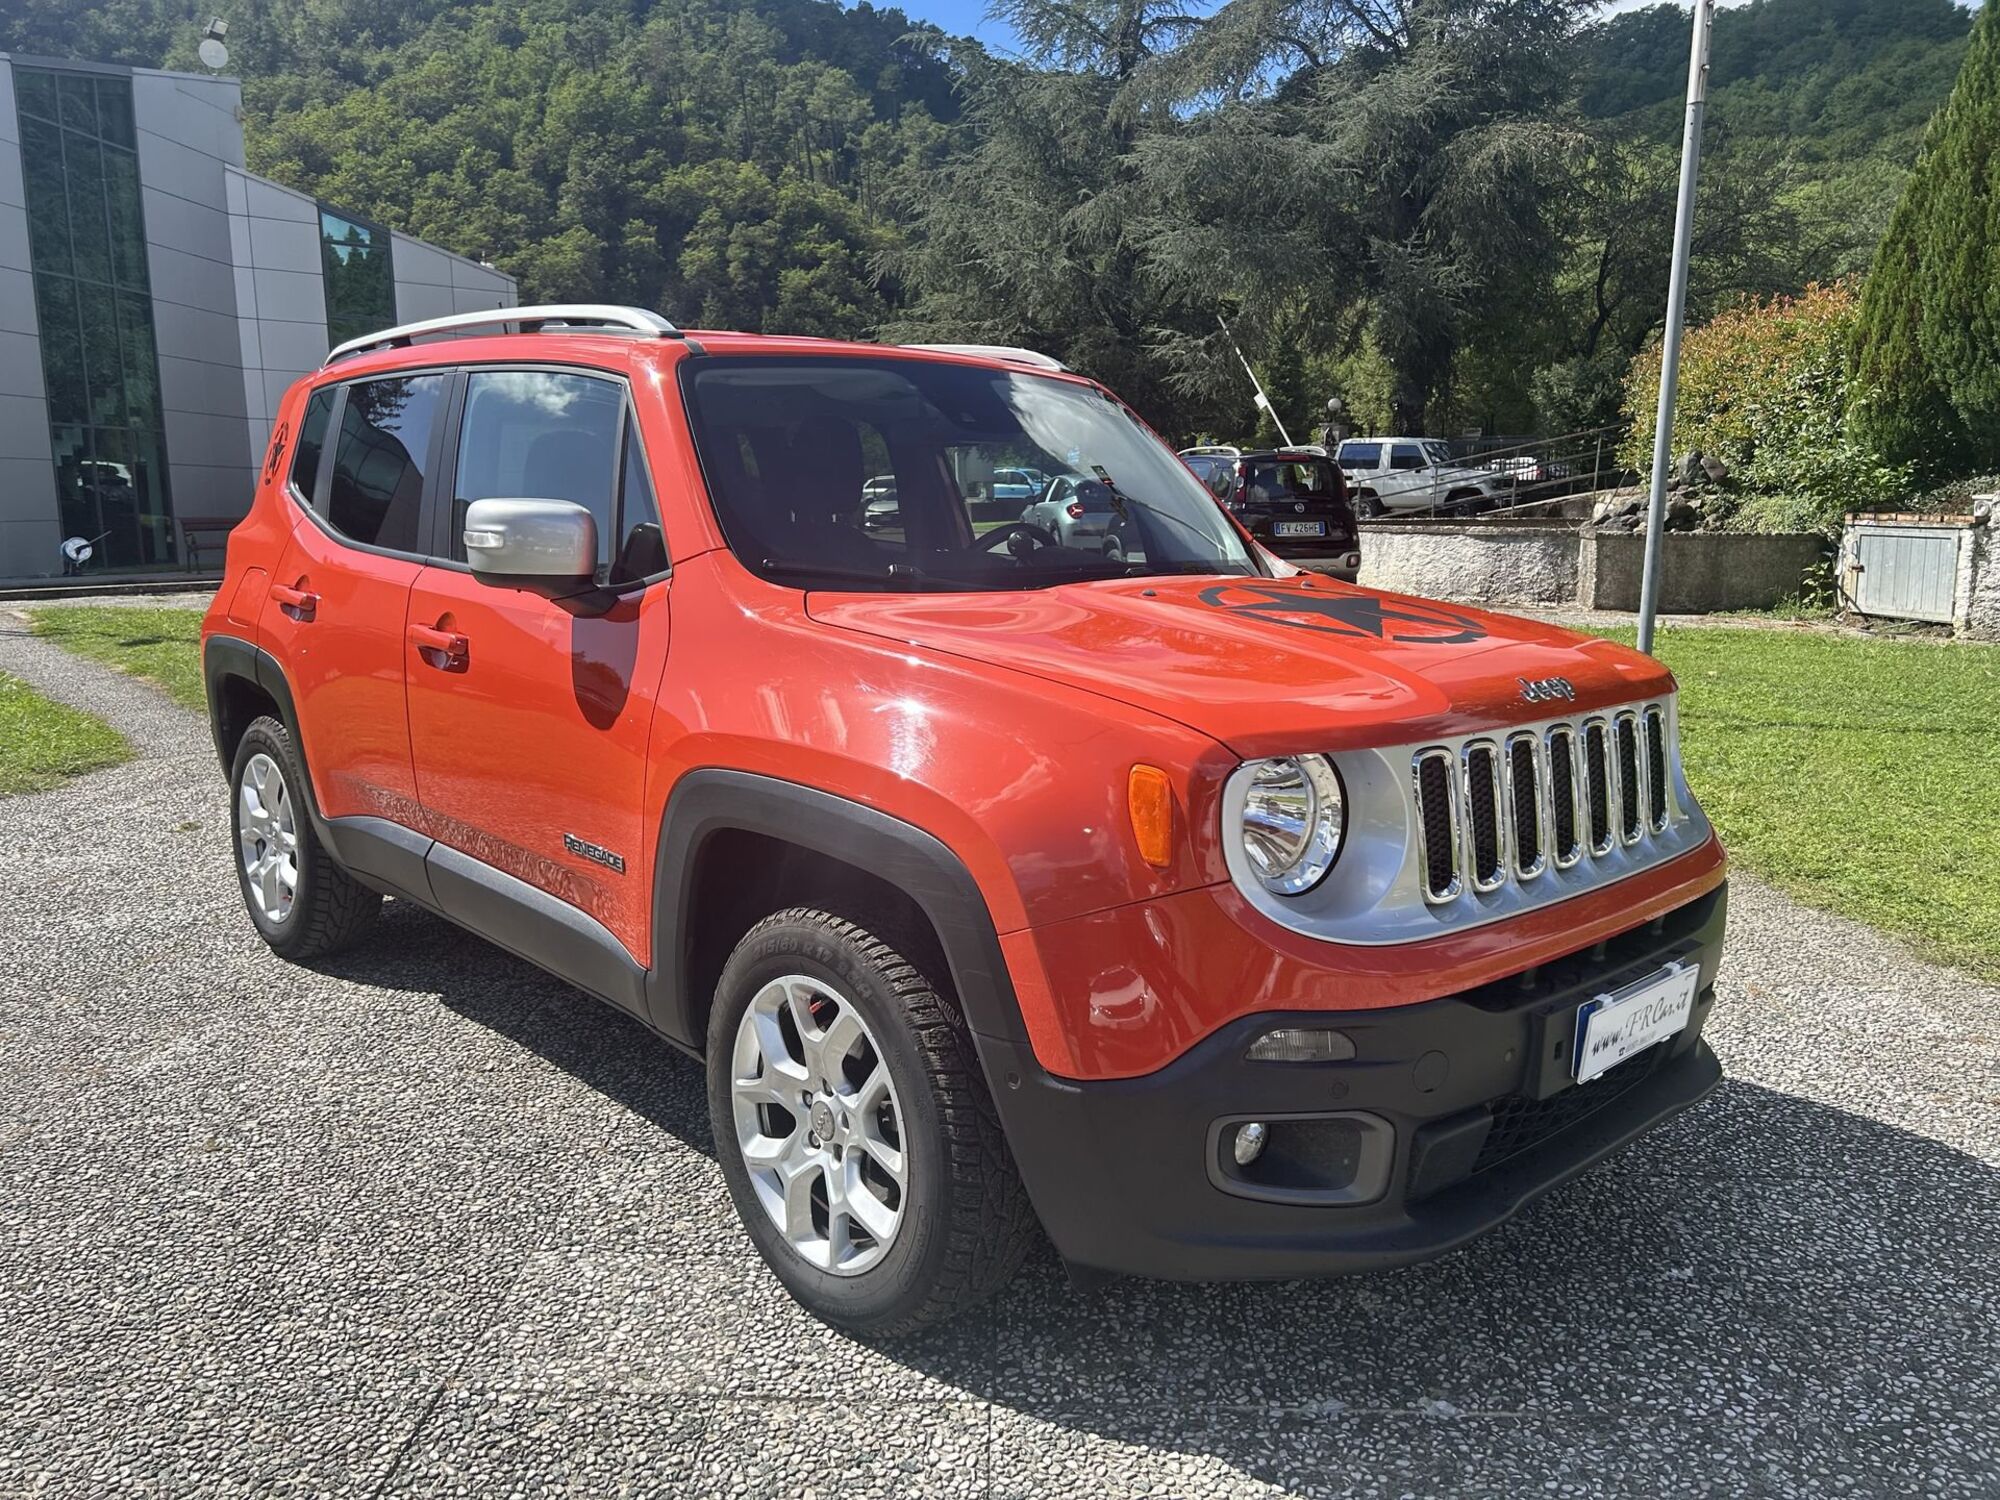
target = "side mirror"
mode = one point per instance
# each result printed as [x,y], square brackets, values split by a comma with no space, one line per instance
[531,539]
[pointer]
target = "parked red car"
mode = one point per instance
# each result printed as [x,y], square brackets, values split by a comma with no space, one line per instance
[1218,921]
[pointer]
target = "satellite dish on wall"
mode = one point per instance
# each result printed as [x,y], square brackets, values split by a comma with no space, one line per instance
[76,551]
[212,53]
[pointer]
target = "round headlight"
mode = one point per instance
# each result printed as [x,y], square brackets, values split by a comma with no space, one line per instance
[1293,819]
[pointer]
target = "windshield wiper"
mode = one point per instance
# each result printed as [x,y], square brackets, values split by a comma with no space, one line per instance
[891,574]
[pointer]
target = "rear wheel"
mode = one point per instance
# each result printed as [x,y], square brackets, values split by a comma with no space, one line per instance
[855,1131]
[1367,506]
[302,903]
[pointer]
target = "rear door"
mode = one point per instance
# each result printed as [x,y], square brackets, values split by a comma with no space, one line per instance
[530,735]
[335,614]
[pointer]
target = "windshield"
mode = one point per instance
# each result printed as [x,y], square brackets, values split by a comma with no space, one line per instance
[795,450]
[1438,454]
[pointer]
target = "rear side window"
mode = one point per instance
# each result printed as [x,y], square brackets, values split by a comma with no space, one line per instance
[312,443]
[1361,455]
[540,435]
[376,496]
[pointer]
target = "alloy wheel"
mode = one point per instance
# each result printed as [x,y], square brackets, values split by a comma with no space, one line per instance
[819,1125]
[267,839]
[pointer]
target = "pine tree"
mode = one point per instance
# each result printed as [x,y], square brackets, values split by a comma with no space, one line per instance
[1926,364]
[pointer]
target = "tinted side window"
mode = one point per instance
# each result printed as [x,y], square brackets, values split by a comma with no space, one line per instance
[1406,456]
[312,442]
[539,435]
[1361,455]
[378,463]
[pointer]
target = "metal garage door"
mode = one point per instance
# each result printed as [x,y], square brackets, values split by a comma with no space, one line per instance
[1906,571]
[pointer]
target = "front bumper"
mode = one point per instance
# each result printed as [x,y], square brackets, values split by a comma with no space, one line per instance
[1475,1088]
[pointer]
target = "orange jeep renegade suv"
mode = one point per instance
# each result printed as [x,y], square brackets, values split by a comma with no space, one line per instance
[1219,920]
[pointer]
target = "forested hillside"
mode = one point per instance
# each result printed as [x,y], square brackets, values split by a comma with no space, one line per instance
[1456,214]
[1837,90]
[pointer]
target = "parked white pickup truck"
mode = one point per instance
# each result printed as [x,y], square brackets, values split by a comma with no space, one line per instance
[1397,475]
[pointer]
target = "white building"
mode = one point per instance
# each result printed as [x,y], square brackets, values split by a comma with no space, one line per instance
[155,301]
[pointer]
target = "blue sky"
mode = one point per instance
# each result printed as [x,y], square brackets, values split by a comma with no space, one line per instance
[968,17]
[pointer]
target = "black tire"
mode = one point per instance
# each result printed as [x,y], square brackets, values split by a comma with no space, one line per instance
[1368,507]
[966,1220]
[330,909]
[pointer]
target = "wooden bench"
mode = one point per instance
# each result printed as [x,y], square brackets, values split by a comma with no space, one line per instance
[195,528]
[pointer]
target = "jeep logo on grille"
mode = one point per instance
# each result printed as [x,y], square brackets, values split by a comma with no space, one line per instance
[1547,689]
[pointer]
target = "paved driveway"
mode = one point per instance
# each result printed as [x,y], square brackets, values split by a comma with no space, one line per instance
[422,1222]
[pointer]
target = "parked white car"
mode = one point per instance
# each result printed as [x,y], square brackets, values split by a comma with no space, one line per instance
[1398,475]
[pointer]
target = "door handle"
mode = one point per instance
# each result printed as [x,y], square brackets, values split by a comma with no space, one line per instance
[447,644]
[303,604]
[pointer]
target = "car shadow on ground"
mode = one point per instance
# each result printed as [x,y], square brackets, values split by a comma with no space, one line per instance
[1769,1286]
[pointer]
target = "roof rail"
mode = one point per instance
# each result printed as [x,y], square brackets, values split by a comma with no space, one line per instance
[1009,352]
[1211,450]
[568,315]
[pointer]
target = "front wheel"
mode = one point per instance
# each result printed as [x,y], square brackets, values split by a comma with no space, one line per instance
[855,1131]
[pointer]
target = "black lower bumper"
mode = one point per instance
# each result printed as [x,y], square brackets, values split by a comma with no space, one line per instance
[1478,1116]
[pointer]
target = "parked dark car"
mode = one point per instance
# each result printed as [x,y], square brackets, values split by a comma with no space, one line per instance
[1294,502]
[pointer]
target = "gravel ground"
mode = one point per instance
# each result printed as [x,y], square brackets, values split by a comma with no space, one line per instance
[423,1222]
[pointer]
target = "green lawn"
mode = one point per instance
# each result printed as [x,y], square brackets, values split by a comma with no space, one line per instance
[1858,774]
[161,645]
[41,742]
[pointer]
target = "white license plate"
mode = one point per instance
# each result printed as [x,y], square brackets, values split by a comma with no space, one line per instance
[1298,528]
[1626,1022]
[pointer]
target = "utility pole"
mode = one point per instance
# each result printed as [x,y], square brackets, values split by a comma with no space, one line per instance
[1670,350]
[1263,401]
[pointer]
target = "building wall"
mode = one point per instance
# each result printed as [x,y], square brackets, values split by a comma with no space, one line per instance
[280,300]
[188,139]
[433,284]
[238,297]
[29,531]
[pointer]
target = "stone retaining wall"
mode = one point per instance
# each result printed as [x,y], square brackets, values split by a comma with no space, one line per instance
[1556,563]
[1496,564]
[1701,572]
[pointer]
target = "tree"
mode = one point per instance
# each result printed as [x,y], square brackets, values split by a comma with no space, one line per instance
[1025,234]
[1926,366]
[1403,179]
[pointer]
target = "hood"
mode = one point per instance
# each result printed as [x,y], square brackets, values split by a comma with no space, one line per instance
[1268,665]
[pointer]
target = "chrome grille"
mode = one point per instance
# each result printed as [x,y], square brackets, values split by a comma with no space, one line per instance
[1564,786]
[1437,810]
[1484,856]
[1656,770]
[1597,785]
[1495,811]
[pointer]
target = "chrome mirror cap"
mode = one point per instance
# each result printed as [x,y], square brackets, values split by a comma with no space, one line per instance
[530,539]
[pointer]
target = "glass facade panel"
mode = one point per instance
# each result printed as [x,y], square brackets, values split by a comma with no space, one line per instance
[360,279]
[87,244]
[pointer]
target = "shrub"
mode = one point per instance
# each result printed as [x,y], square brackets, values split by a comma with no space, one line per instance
[1764,388]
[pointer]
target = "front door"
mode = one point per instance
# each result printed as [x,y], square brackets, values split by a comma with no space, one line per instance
[529,723]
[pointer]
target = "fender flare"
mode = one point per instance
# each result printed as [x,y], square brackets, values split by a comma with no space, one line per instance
[226,656]
[710,801]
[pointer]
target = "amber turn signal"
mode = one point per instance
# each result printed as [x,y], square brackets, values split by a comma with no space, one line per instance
[1150,797]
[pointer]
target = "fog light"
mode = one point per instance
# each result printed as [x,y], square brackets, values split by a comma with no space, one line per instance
[1249,1142]
[1301,1044]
